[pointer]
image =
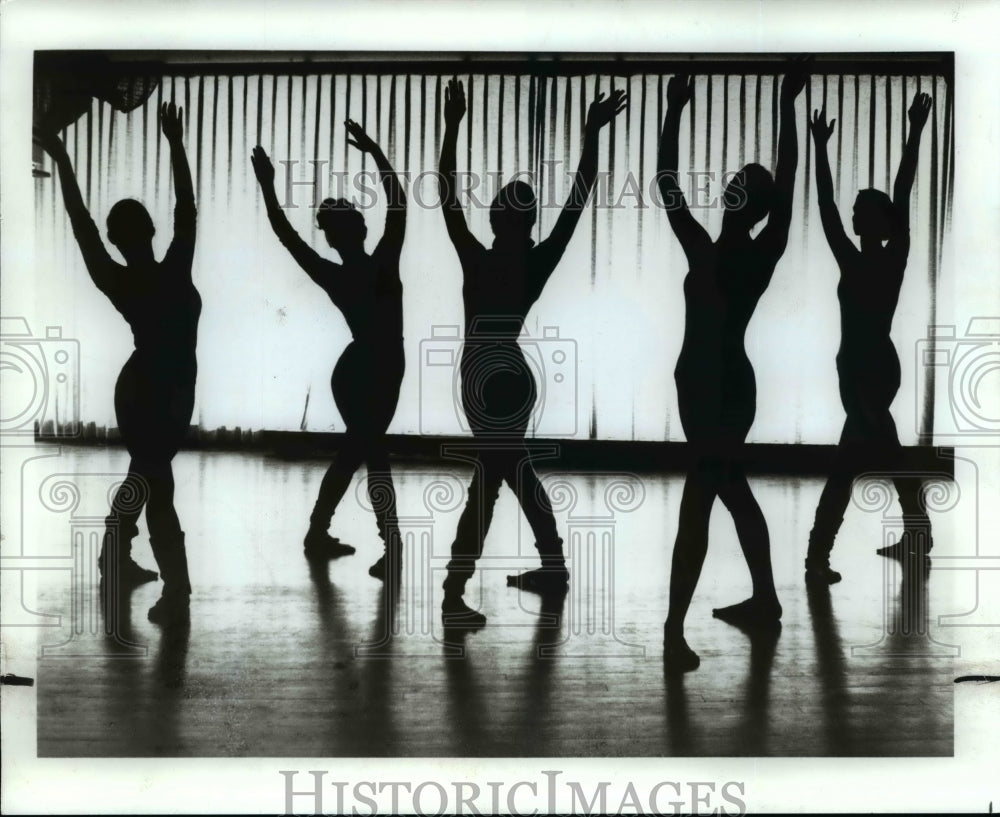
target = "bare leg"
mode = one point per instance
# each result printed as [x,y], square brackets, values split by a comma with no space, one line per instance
[688,558]
[468,545]
[127,504]
[762,609]
[115,561]
[833,502]
[167,540]
[382,495]
[916,540]
[318,543]
[161,516]
[553,577]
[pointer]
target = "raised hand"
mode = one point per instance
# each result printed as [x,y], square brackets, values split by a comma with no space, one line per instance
[454,102]
[602,110]
[919,110]
[795,78]
[49,141]
[172,120]
[262,166]
[358,138]
[680,90]
[820,130]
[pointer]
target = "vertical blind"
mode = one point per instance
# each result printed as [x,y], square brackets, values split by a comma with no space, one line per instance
[606,332]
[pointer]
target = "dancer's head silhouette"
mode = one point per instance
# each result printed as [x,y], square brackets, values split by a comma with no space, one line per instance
[874,215]
[877,217]
[343,225]
[748,197]
[130,229]
[513,213]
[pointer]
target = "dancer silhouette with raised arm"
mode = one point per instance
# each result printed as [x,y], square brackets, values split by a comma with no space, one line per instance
[867,363]
[365,382]
[716,388]
[154,395]
[500,285]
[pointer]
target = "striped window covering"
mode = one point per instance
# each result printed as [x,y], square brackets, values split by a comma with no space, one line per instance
[614,307]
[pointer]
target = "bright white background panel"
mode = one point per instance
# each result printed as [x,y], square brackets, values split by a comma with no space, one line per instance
[269,337]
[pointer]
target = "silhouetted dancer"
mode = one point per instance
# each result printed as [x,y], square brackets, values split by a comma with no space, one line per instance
[867,364]
[365,382]
[154,395]
[716,389]
[498,389]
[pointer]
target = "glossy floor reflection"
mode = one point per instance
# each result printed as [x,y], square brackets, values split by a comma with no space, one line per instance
[284,658]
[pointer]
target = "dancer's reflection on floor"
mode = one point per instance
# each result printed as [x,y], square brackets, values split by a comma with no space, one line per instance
[538,720]
[466,711]
[689,727]
[831,671]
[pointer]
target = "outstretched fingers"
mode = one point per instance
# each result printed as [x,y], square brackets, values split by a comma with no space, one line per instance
[357,136]
[262,166]
[354,133]
[621,101]
[454,91]
[605,108]
[819,126]
[920,108]
[454,101]
[617,101]
[171,119]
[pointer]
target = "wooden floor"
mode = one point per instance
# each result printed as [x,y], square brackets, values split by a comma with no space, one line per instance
[284,660]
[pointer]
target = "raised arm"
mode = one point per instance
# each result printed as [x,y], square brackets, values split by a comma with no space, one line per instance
[601,112]
[454,218]
[833,228]
[919,110]
[395,216]
[775,233]
[99,263]
[172,124]
[693,237]
[315,266]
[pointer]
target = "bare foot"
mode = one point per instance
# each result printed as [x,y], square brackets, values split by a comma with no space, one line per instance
[677,655]
[320,545]
[751,614]
[543,580]
[456,613]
